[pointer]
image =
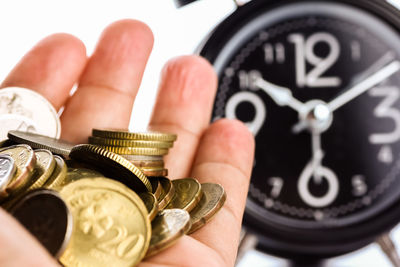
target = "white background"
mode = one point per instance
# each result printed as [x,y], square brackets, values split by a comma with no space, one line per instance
[177,32]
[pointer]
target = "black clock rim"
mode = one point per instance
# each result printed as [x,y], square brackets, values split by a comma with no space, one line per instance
[286,241]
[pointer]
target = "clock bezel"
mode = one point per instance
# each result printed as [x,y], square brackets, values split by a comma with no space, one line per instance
[288,241]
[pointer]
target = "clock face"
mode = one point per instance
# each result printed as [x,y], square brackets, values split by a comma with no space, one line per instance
[327,153]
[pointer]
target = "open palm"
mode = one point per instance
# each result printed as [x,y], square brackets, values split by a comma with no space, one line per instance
[107,85]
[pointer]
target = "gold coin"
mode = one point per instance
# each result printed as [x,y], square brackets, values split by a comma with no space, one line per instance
[157,188]
[167,228]
[45,165]
[112,166]
[167,193]
[142,157]
[58,176]
[56,146]
[150,201]
[155,172]
[213,199]
[125,134]
[128,143]
[187,194]
[148,164]
[75,174]
[25,161]
[112,227]
[137,150]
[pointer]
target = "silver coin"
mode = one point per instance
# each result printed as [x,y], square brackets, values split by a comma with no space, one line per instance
[7,170]
[167,227]
[56,146]
[25,110]
[25,162]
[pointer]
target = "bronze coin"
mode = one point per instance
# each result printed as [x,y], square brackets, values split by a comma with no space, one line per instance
[46,216]
[154,172]
[148,164]
[167,193]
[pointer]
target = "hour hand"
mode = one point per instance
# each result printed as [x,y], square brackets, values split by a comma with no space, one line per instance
[281,95]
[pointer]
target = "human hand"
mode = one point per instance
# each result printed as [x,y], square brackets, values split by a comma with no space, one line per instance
[107,85]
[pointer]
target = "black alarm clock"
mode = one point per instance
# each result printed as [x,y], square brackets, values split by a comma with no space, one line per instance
[318,84]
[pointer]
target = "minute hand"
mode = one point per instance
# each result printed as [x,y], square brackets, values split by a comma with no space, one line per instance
[365,85]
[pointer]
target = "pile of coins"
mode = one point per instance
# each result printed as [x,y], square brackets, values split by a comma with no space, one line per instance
[106,203]
[144,150]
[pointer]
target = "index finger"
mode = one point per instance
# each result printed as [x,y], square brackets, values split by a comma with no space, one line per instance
[109,83]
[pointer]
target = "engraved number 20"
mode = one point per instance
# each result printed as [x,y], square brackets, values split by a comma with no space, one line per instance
[123,245]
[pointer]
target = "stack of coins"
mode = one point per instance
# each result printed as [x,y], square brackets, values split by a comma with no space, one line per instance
[144,150]
[90,206]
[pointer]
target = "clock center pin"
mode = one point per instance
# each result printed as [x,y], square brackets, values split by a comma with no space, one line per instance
[317,116]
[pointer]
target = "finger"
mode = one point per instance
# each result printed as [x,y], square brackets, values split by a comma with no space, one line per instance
[225,156]
[51,68]
[183,106]
[109,84]
[18,247]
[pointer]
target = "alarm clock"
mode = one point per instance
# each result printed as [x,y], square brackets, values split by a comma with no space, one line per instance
[318,84]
